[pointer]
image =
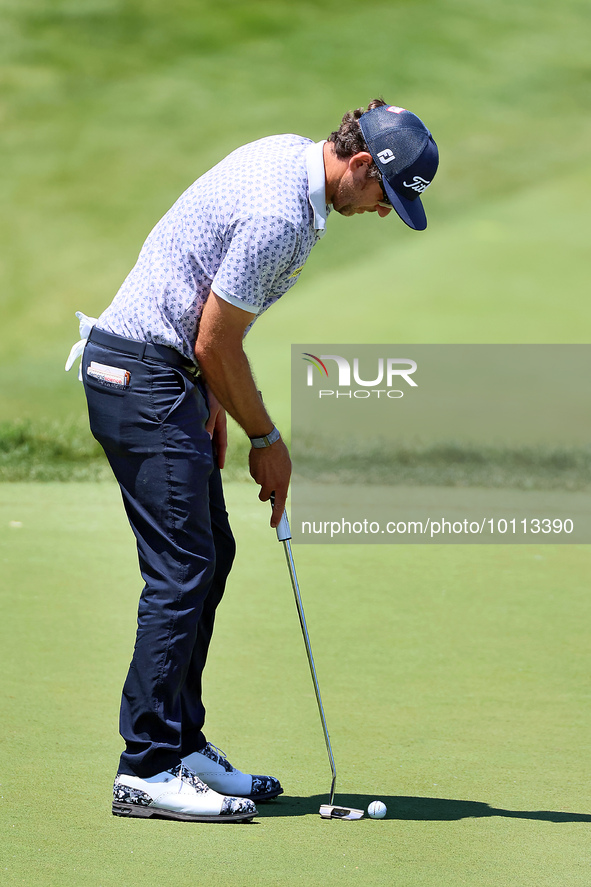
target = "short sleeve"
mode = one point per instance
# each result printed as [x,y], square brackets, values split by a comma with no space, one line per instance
[259,250]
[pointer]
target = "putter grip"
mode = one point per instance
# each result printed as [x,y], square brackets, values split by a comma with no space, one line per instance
[283,531]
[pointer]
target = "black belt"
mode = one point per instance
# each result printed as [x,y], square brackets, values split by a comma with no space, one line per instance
[163,353]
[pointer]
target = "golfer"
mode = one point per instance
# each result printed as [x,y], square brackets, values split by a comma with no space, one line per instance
[161,367]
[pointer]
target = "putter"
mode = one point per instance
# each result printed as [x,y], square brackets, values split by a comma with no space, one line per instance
[330,810]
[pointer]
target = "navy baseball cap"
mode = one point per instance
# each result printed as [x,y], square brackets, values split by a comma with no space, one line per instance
[406,155]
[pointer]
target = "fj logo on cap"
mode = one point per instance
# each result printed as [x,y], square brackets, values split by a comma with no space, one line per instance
[386,156]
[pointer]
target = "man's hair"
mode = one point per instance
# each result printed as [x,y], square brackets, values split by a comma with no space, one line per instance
[348,138]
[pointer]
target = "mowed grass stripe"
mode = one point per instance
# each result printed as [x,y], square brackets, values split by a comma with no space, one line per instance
[113,108]
[454,681]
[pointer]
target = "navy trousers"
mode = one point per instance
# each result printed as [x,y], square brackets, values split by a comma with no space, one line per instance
[153,433]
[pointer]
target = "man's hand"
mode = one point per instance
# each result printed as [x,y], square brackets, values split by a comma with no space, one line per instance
[217,427]
[271,468]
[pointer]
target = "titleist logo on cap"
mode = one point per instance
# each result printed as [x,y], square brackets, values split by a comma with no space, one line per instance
[418,184]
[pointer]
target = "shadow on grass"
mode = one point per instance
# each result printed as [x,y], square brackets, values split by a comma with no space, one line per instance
[415,809]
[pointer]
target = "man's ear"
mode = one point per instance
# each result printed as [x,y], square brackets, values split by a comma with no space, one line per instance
[360,162]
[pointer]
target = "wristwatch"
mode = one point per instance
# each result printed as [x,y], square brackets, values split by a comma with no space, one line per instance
[265,441]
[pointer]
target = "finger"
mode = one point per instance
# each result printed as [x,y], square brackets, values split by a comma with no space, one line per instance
[221,439]
[210,425]
[222,458]
[278,509]
[221,450]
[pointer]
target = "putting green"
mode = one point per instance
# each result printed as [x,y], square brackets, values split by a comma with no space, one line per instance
[455,682]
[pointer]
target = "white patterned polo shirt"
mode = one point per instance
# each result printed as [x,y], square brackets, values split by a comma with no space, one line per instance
[244,230]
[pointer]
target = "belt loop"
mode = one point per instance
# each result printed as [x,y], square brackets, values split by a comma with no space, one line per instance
[142,350]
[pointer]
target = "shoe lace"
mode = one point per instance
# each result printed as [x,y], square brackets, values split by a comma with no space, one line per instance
[185,774]
[220,756]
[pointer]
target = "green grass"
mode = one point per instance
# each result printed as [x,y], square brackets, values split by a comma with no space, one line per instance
[455,682]
[52,450]
[48,450]
[457,692]
[112,107]
[447,464]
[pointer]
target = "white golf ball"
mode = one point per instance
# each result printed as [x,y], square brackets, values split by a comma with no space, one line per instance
[377,810]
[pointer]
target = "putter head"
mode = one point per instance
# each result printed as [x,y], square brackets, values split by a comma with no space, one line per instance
[334,811]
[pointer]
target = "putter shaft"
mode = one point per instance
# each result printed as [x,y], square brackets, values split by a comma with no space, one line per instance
[284,535]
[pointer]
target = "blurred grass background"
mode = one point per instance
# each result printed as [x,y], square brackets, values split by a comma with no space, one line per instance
[110,108]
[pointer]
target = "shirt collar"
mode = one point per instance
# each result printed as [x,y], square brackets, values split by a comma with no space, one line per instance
[317,185]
